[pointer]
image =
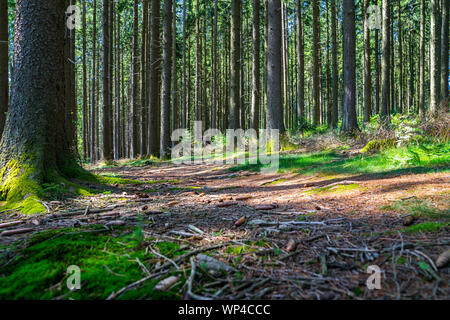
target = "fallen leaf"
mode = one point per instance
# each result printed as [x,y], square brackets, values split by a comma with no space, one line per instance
[202,194]
[443,259]
[240,222]
[173,203]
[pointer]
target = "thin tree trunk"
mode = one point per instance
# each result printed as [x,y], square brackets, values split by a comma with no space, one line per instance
[235,64]
[435,65]
[335,108]
[367,66]
[166,80]
[422,60]
[385,65]
[316,62]
[154,101]
[444,52]
[144,84]
[256,85]
[274,107]
[349,121]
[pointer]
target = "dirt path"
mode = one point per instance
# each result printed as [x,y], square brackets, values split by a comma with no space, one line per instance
[287,236]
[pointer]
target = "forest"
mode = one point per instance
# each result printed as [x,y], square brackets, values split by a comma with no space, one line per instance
[224,150]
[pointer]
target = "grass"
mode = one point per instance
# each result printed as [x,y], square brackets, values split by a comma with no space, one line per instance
[39,269]
[421,158]
[418,208]
[334,189]
[425,227]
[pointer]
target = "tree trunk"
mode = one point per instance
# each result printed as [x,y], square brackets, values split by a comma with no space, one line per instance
[316,62]
[274,107]
[400,58]
[4,61]
[183,77]
[154,101]
[444,52]
[422,60]
[134,146]
[349,121]
[93,123]
[367,66]
[385,65]
[36,149]
[256,81]
[435,65]
[301,65]
[144,84]
[107,147]
[235,77]
[166,80]
[334,109]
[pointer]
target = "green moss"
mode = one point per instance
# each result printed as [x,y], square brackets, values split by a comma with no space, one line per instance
[19,188]
[334,189]
[39,270]
[378,145]
[426,227]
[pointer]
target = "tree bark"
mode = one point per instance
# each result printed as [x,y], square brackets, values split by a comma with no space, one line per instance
[435,65]
[256,81]
[335,103]
[385,65]
[316,62]
[107,133]
[4,63]
[274,108]
[35,147]
[154,101]
[367,66]
[444,52]
[349,121]
[166,80]
[422,60]
[235,77]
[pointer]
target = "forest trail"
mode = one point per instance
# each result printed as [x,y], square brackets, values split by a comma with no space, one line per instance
[303,237]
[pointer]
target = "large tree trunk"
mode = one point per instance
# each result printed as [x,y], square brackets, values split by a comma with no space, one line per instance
[154,101]
[166,79]
[316,62]
[349,121]
[367,66]
[3,62]
[385,65]
[274,107]
[256,81]
[235,77]
[35,147]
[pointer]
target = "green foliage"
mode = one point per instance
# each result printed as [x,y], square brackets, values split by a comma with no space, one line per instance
[426,227]
[424,157]
[39,269]
[378,145]
[418,208]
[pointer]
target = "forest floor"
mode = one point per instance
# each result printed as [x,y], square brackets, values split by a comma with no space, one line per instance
[288,235]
